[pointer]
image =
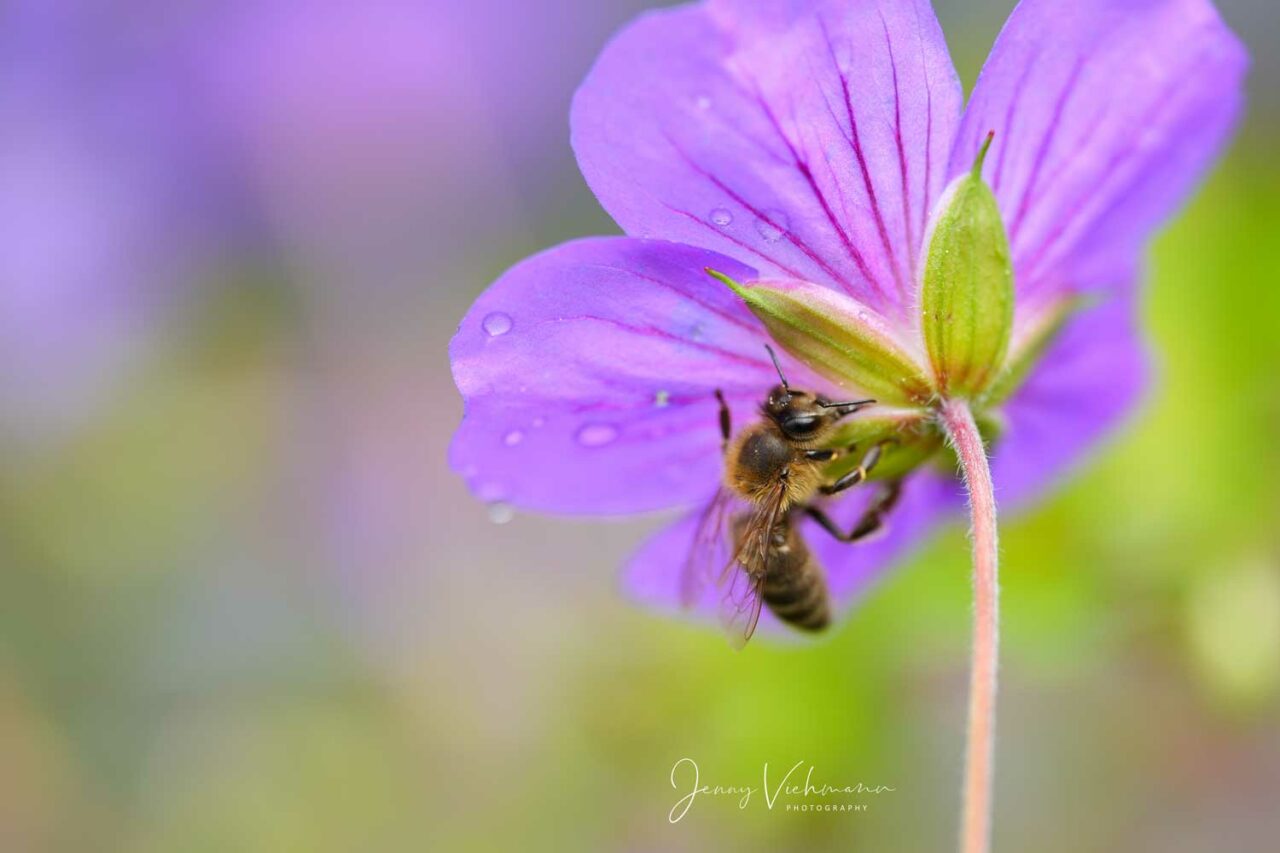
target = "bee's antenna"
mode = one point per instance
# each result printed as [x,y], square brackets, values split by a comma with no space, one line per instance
[856,404]
[778,367]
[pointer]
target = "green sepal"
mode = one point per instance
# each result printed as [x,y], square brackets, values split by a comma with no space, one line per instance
[967,294]
[838,338]
[910,437]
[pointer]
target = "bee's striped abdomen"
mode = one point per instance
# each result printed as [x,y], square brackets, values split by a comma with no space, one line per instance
[794,588]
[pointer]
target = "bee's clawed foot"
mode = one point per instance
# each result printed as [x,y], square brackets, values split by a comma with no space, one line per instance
[859,474]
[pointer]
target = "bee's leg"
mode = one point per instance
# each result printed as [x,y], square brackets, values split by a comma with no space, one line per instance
[871,521]
[857,475]
[820,455]
[726,420]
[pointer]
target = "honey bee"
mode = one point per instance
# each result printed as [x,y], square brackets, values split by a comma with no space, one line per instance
[776,466]
[788,580]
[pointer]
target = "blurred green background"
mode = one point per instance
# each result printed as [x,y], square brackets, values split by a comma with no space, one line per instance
[245,606]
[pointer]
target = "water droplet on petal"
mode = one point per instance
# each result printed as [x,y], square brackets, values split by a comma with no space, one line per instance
[662,399]
[772,226]
[501,513]
[596,435]
[513,438]
[496,324]
[721,217]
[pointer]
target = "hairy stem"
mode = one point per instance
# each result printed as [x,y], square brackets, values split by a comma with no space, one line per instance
[975,829]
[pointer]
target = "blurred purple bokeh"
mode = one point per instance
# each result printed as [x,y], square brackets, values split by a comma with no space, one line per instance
[152,149]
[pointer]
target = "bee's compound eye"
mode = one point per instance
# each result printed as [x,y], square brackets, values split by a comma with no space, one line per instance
[800,426]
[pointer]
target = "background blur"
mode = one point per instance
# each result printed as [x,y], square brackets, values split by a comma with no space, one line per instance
[244,605]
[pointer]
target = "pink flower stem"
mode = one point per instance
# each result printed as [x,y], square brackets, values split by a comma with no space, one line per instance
[975,830]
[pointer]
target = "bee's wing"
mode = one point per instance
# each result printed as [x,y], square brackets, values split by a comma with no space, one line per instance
[710,548]
[740,604]
[742,577]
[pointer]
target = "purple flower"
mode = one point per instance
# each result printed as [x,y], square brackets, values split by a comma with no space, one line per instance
[807,144]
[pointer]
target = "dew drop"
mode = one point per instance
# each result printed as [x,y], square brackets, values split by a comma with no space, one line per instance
[513,438]
[768,231]
[721,217]
[596,435]
[662,399]
[500,512]
[496,324]
[772,226]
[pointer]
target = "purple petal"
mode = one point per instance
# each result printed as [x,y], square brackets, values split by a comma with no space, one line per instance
[588,373]
[1105,114]
[807,139]
[1084,386]
[655,575]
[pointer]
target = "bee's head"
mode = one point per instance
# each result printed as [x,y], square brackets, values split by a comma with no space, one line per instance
[800,415]
[797,413]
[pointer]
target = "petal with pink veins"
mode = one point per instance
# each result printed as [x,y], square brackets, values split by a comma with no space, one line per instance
[1105,115]
[807,139]
[589,371]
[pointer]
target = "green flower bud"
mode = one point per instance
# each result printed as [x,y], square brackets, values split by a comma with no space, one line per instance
[838,338]
[967,294]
